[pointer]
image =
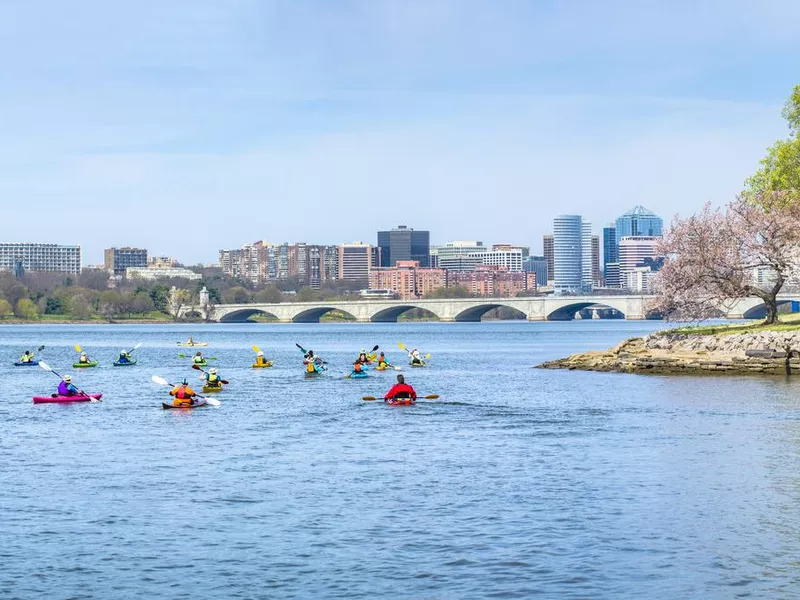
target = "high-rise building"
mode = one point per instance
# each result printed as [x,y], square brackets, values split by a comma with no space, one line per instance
[610,254]
[547,251]
[119,259]
[597,275]
[587,271]
[567,254]
[404,244]
[633,252]
[49,258]
[638,222]
[501,256]
[456,256]
[355,262]
[538,266]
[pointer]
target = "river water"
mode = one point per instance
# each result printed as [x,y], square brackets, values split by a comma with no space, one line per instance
[516,483]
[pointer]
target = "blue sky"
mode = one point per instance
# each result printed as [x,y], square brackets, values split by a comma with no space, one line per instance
[185,126]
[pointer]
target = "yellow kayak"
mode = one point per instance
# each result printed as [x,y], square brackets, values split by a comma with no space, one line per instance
[269,363]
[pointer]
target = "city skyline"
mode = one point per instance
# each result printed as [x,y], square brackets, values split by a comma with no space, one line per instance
[230,119]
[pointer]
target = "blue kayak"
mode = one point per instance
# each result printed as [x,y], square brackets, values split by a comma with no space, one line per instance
[32,363]
[355,375]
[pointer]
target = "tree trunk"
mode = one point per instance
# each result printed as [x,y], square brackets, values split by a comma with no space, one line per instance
[771,303]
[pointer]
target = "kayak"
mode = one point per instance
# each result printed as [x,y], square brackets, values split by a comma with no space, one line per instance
[192,345]
[93,363]
[62,399]
[124,364]
[207,389]
[400,401]
[386,368]
[32,363]
[269,363]
[355,375]
[313,373]
[201,364]
[417,364]
[196,404]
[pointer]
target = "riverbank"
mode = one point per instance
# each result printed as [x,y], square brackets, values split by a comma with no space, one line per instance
[718,350]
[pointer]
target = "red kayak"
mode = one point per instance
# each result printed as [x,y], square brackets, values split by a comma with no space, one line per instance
[400,401]
[63,399]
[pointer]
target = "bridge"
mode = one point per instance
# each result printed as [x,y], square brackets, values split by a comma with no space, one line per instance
[542,308]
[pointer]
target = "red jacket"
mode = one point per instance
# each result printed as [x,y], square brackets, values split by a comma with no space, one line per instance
[401,390]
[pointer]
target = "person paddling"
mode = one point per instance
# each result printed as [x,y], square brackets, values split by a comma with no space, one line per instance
[363,359]
[401,390]
[260,360]
[382,362]
[313,363]
[65,388]
[198,359]
[124,357]
[83,359]
[212,378]
[415,357]
[27,357]
[184,395]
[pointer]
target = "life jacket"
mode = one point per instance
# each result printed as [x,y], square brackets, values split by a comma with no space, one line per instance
[260,360]
[26,358]
[401,390]
[213,380]
[199,359]
[357,368]
[183,396]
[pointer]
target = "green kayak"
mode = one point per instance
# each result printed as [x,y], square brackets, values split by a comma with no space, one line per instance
[94,363]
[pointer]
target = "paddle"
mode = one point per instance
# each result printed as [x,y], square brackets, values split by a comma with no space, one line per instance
[162,381]
[47,367]
[256,349]
[136,347]
[428,397]
[199,368]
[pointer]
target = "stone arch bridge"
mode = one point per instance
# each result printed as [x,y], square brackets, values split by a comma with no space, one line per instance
[544,308]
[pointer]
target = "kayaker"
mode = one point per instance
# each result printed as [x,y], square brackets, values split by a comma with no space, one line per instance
[212,378]
[401,390]
[27,357]
[198,359]
[260,360]
[124,357]
[313,363]
[416,359]
[363,359]
[83,359]
[382,363]
[357,368]
[190,341]
[184,395]
[65,388]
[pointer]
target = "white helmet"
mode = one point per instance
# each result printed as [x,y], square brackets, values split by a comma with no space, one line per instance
[123,351]
[67,378]
[213,371]
[260,353]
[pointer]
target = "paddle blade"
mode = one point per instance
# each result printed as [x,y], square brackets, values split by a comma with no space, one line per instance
[78,348]
[137,346]
[431,397]
[156,379]
[369,398]
[427,355]
[402,346]
[375,348]
[398,368]
[40,348]
[197,367]
[256,348]
[44,366]
[224,381]
[212,401]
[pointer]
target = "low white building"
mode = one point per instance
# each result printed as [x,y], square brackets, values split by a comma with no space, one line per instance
[153,273]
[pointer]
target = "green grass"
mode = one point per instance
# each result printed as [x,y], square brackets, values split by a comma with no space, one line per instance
[788,322]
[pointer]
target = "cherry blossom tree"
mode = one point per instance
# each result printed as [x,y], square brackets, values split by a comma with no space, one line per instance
[714,258]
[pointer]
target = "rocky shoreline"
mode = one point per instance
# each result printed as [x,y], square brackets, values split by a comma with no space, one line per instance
[662,353]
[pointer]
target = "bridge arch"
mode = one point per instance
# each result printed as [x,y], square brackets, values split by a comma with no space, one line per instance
[313,315]
[474,313]
[567,311]
[759,311]
[390,315]
[243,314]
